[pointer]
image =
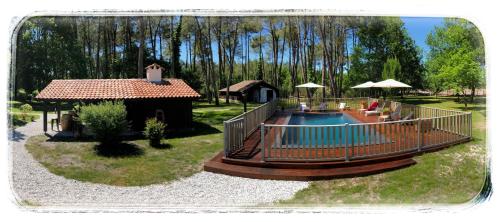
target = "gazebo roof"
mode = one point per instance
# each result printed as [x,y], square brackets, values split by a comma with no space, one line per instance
[245,85]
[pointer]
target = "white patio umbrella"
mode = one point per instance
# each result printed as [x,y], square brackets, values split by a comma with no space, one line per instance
[365,85]
[308,86]
[390,83]
[368,84]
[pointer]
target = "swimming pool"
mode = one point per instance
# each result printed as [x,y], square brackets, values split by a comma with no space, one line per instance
[329,130]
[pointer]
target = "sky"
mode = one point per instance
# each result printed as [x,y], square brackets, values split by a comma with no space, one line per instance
[419,27]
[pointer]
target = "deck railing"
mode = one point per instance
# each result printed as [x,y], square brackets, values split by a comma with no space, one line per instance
[238,128]
[426,128]
[429,128]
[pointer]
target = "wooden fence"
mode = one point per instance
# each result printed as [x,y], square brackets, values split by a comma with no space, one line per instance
[237,129]
[432,128]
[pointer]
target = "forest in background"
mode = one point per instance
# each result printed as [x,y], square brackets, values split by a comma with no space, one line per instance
[211,53]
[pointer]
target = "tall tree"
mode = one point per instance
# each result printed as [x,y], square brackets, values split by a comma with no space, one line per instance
[140,55]
[232,43]
[380,38]
[456,57]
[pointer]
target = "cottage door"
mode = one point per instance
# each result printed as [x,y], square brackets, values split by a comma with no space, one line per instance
[270,95]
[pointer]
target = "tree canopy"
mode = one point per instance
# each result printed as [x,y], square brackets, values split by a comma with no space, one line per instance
[380,43]
[211,53]
[456,57]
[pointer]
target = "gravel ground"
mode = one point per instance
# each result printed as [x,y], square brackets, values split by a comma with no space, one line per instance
[35,185]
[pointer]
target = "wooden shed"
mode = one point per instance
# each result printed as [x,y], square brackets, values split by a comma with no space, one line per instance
[255,90]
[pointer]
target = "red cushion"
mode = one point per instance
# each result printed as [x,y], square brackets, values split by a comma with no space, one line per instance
[373,106]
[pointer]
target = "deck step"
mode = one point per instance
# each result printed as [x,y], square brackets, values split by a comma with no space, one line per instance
[305,174]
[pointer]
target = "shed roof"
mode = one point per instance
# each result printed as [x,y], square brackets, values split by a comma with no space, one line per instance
[97,89]
[246,84]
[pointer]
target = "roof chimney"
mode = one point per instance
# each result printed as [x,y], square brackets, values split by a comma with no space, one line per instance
[153,73]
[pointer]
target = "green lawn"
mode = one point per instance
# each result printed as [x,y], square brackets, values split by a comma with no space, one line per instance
[182,155]
[453,175]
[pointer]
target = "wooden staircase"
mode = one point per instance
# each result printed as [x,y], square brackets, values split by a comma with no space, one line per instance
[304,172]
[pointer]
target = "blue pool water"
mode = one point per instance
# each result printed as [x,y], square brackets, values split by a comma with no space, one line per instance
[328,135]
[322,119]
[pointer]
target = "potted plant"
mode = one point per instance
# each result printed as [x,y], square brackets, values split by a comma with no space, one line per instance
[154,131]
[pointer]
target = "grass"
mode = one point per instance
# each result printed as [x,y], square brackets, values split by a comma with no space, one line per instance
[14,107]
[17,120]
[451,176]
[181,155]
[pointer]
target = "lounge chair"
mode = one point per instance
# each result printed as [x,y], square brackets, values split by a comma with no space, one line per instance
[373,105]
[377,111]
[343,106]
[304,107]
[393,115]
[364,107]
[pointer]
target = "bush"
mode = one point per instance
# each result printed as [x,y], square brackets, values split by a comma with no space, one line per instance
[154,131]
[34,93]
[21,94]
[107,120]
[25,109]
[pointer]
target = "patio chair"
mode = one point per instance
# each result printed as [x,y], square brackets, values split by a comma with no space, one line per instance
[377,111]
[409,116]
[322,106]
[393,115]
[54,121]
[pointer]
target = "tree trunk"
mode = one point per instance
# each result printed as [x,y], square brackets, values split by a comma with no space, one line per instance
[98,50]
[210,62]
[140,56]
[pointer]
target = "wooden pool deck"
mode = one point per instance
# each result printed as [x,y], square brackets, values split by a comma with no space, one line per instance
[319,162]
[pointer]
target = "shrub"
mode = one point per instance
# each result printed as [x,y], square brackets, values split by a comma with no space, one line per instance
[34,93]
[154,131]
[25,109]
[107,120]
[21,94]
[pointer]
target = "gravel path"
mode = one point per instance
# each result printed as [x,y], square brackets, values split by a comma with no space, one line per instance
[33,183]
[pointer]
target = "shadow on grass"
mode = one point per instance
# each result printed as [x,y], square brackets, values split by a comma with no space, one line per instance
[469,108]
[59,138]
[162,146]
[199,129]
[118,150]
[420,101]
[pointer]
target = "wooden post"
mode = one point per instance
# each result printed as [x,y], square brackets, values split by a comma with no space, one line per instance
[262,139]
[226,139]
[346,127]
[58,108]
[44,118]
[418,134]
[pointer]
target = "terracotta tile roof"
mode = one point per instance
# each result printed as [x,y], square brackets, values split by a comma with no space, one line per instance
[90,89]
[241,86]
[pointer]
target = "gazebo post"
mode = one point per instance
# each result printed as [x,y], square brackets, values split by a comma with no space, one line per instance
[45,117]
[58,110]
